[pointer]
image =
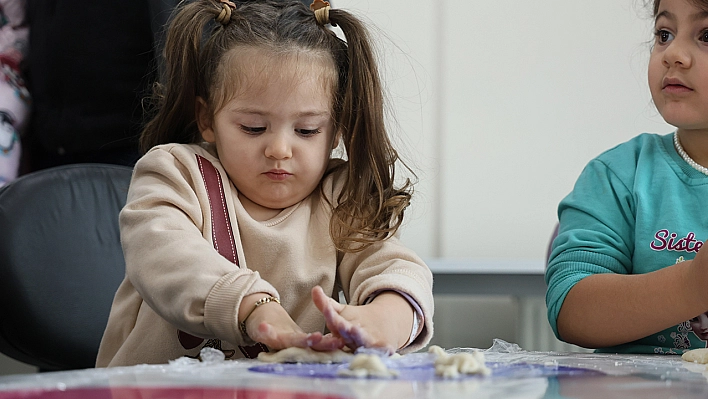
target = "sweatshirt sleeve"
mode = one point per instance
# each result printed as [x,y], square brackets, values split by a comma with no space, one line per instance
[170,259]
[390,266]
[596,233]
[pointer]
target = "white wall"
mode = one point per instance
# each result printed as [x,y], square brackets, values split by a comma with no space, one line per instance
[499,106]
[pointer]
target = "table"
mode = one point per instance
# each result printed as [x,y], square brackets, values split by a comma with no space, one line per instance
[488,277]
[515,374]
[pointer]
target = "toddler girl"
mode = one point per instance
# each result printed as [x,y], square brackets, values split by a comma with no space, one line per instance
[240,227]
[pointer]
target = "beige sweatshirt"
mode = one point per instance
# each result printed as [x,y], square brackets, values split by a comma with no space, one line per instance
[176,280]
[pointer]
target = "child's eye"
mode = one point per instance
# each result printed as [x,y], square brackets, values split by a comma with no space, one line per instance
[307,132]
[253,130]
[704,36]
[663,36]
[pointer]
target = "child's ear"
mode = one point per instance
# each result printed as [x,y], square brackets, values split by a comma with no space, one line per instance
[204,120]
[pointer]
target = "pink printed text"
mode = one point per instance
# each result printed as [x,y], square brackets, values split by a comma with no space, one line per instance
[664,240]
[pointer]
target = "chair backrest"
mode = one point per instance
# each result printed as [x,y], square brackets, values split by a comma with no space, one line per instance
[60,262]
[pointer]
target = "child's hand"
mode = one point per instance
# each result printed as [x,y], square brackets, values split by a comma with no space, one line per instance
[271,325]
[699,275]
[384,323]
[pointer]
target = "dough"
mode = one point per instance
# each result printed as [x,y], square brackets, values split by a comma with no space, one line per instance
[304,355]
[451,366]
[699,355]
[437,351]
[365,365]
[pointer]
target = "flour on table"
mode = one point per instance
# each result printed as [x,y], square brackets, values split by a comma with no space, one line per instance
[304,355]
[451,366]
[699,355]
[365,365]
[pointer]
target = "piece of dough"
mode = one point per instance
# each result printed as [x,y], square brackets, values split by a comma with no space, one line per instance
[437,351]
[451,366]
[364,365]
[699,355]
[304,355]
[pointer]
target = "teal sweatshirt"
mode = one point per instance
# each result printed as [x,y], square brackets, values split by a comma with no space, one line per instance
[636,208]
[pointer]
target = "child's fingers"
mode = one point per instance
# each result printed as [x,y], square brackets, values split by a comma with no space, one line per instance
[304,340]
[328,306]
[355,336]
[362,337]
[359,337]
[331,311]
[323,301]
[337,324]
[350,334]
[275,339]
[328,343]
[267,335]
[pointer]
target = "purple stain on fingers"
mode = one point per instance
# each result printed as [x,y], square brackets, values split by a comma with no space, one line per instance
[359,335]
[346,335]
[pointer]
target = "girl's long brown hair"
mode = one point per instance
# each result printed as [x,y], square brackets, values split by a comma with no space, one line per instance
[370,207]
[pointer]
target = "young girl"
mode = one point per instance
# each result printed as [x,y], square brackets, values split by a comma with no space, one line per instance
[239,228]
[627,271]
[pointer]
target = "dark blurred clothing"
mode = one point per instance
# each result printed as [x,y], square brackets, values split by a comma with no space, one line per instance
[90,63]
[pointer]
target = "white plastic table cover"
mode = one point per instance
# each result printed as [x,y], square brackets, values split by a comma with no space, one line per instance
[516,373]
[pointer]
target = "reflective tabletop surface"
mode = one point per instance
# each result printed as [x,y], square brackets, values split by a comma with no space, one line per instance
[515,373]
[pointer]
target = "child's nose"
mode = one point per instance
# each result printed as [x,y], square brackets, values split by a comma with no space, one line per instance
[278,147]
[677,54]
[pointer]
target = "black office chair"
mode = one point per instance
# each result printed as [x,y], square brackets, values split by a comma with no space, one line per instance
[60,263]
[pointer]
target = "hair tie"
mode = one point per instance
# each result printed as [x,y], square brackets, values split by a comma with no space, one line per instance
[224,16]
[321,10]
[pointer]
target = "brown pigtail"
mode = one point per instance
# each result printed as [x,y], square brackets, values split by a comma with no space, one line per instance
[370,206]
[173,100]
